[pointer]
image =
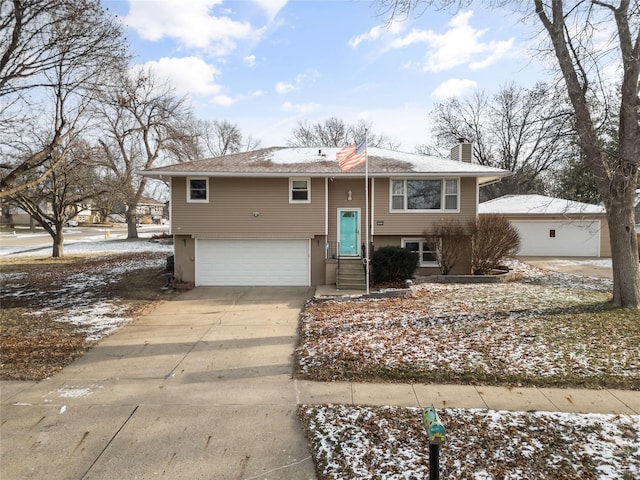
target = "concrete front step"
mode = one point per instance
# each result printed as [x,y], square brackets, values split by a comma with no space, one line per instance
[351,275]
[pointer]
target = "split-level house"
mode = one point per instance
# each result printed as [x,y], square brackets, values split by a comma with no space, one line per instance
[290,216]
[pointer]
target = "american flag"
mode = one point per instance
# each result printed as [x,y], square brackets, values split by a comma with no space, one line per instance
[352,155]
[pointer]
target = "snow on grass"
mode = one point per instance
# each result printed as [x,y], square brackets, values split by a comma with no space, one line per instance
[390,443]
[547,326]
[76,297]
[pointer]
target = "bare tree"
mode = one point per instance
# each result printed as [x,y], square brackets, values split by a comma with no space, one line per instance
[616,171]
[581,63]
[56,50]
[494,239]
[525,131]
[450,240]
[143,123]
[60,195]
[333,132]
[221,137]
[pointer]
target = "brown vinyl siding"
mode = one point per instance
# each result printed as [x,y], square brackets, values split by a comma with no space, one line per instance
[462,267]
[416,223]
[318,271]
[233,201]
[184,248]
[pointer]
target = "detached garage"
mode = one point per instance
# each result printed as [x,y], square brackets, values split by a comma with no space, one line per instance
[253,262]
[554,227]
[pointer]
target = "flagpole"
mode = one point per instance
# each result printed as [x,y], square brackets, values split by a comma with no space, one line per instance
[366,208]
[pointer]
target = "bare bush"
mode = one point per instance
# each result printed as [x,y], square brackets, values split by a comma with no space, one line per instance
[495,239]
[449,240]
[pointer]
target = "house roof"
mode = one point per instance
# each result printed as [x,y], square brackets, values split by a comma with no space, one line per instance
[149,201]
[537,205]
[321,162]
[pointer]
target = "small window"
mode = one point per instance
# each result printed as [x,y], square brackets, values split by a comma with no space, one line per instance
[427,257]
[198,190]
[450,194]
[552,234]
[299,190]
[397,194]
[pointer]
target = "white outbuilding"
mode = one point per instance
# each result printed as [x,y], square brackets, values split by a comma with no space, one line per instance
[554,227]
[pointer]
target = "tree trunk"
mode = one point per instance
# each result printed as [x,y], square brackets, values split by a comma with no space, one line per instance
[624,254]
[58,244]
[132,229]
[616,176]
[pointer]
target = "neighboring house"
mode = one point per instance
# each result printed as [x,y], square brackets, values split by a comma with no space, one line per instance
[13,215]
[150,207]
[290,216]
[553,227]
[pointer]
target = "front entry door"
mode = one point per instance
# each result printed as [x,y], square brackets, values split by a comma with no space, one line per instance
[349,231]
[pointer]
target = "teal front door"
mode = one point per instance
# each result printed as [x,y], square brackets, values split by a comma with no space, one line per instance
[349,231]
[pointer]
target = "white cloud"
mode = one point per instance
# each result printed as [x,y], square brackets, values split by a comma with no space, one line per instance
[189,75]
[250,60]
[309,76]
[271,7]
[454,87]
[379,31]
[193,24]
[460,44]
[284,87]
[299,107]
[306,77]
[223,100]
[498,50]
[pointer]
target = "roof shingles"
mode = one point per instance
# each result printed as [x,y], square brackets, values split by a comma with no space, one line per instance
[322,161]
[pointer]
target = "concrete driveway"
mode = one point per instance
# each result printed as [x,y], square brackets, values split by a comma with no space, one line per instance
[592,267]
[199,388]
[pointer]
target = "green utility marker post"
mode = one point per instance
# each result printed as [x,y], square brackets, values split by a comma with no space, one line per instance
[437,436]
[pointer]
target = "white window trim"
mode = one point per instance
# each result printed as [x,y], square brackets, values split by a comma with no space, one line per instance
[420,241]
[197,200]
[442,208]
[297,179]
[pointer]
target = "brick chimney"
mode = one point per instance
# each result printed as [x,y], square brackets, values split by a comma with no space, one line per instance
[463,151]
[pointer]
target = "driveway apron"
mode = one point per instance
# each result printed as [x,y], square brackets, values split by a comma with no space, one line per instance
[198,388]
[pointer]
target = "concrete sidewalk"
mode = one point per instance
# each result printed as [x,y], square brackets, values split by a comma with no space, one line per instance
[201,388]
[569,400]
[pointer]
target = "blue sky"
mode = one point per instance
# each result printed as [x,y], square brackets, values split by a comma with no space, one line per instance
[266,64]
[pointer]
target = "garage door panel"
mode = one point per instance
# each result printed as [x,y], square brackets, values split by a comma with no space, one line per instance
[559,238]
[252,262]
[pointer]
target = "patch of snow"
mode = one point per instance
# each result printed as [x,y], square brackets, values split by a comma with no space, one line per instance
[536,205]
[76,391]
[77,302]
[389,443]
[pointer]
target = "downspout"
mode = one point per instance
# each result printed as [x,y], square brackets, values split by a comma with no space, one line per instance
[373,207]
[326,208]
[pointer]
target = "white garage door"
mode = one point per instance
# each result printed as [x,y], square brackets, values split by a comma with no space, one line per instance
[252,262]
[559,238]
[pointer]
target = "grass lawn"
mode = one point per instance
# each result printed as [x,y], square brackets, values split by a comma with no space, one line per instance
[53,310]
[545,329]
[390,443]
